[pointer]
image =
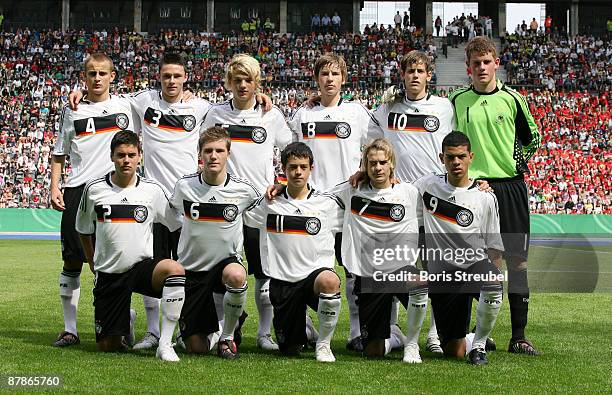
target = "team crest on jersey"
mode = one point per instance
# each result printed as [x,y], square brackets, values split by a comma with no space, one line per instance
[464,218]
[259,135]
[397,212]
[189,122]
[98,327]
[230,212]
[431,124]
[499,118]
[122,121]
[313,226]
[140,214]
[343,130]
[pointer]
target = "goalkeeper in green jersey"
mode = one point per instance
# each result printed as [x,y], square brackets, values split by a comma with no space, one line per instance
[504,137]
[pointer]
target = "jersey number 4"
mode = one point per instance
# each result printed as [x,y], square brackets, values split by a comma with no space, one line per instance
[91,126]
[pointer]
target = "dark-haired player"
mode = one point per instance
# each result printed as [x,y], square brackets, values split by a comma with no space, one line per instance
[124,207]
[458,218]
[297,234]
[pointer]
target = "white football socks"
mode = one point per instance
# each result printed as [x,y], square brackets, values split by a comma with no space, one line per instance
[233,305]
[394,311]
[433,330]
[264,306]
[70,292]
[173,297]
[416,311]
[487,310]
[218,298]
[151,306]
[328,312]
[355,329]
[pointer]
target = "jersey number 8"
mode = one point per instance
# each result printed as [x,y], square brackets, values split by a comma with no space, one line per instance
[311,128]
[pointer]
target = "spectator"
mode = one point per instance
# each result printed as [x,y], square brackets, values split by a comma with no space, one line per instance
[406,20]
[268,26]
[336,22]
[489,26]
[397,19]
[533,27]
[315,23]
[325,23]
[438,25]
[548,25]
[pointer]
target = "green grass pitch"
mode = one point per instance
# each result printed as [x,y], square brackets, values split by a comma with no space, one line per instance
[572,331]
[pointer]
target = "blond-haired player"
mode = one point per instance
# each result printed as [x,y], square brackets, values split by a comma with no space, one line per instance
[254,135]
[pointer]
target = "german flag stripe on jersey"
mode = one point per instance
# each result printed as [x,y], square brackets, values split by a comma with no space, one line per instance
[210,212]
[121,213]
[325,130]
[105,124]
[244,133]
[171,123]
[401,122]
[375,210]
[309,226]
[447,211]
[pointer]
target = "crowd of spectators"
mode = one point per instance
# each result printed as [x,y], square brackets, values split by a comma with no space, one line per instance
[463,28]
[558,62]
[38,69]
[571,173]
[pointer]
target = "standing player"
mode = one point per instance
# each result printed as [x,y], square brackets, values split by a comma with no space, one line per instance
[125,206]
[383,215]
[85,136]
[170,132]
[254,134]
[459,217]
[335,131]
[415,122]
[297,232]
[504,137]
[210,247]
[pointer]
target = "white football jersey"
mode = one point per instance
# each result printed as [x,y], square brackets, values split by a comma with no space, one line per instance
[335,135]
[170,133]
[416,130]
[212,224]
[296,236]
[379,219]
[254,135]
[86,133]
[124,220]
[457,218]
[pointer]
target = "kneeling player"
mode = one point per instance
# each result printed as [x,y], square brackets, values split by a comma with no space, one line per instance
[125,207]
[210,246]
[383,215]
[297,252]
[459,217]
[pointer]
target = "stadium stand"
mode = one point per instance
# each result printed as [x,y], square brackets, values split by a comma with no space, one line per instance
[38,69]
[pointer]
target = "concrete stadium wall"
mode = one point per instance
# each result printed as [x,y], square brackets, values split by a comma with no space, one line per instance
[19,220]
